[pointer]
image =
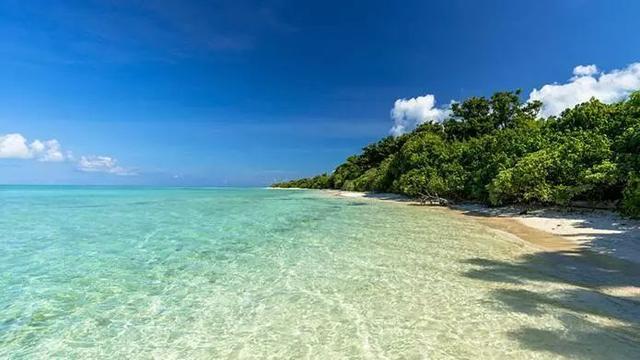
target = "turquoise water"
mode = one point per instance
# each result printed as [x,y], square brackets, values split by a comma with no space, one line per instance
[90,272]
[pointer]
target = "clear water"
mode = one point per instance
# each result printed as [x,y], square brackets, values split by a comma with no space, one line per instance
[91,272]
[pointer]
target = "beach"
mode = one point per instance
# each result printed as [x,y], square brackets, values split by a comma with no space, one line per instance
[600,231]
[587,243]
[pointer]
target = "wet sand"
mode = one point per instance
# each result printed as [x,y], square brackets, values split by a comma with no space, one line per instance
[536,237]
[602,232]
[596,249]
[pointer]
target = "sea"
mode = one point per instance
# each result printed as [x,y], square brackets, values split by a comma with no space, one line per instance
[90,272]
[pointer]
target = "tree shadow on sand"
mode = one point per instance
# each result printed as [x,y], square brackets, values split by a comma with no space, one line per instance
[576,287]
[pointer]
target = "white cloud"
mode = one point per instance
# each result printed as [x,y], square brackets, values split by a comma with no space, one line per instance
[15,146]
[585,70]
[48,150]
[409,113]
[104,164]
[585,84]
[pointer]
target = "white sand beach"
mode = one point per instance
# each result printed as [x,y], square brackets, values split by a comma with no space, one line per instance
[600,231]
[595,248]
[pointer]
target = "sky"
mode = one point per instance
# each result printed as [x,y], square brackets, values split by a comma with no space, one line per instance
[245,93]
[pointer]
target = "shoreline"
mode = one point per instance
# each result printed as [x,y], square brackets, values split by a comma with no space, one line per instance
[597,249]
[602,232]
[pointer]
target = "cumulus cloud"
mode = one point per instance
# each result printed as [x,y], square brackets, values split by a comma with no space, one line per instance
[588,82]
[409,113]
[16,146]
[49,150]
[104,164]
[585,70]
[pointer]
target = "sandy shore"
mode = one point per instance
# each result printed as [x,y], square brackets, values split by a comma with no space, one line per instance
[596,249]
[602,232]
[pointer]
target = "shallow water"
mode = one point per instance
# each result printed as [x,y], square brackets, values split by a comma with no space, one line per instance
[89,272]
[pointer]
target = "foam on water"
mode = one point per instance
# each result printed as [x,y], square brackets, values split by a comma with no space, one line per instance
[251,273]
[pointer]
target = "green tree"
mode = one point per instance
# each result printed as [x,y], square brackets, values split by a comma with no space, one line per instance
[497,150]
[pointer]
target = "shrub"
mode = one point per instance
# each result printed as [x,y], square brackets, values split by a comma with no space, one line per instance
[526,182]
[631,197]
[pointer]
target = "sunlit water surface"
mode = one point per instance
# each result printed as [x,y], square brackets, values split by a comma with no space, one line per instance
[252,273]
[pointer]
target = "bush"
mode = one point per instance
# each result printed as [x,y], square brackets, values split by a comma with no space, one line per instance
[421,181]
[524,183]
[631,197]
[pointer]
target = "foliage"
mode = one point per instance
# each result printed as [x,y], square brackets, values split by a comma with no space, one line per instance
[496,150]
[631,199]
[526,182]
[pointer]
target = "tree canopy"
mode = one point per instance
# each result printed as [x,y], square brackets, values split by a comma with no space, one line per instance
[498,151]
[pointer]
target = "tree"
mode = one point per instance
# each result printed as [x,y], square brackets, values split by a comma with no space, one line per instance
[526,182]
[631,197]
[497,150]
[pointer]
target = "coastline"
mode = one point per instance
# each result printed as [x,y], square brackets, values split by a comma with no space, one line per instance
[596,249]
[602,232]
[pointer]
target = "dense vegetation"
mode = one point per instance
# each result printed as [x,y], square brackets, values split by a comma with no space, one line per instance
[498,151]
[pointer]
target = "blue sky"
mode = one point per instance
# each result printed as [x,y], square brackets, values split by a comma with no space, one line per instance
[248,92]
